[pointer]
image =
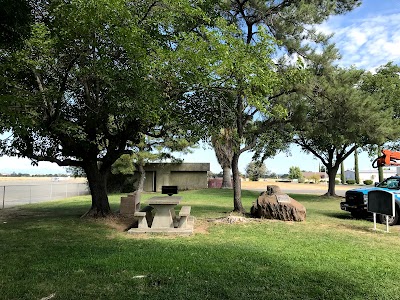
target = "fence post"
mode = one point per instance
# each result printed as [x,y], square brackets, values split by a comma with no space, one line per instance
[30,194]
[4,195]
[66,190]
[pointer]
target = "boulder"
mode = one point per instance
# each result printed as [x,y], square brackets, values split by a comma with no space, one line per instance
[279,206]
[273,189]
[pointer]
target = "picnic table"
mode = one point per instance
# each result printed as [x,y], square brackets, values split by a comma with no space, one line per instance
[164,214]
[160,213]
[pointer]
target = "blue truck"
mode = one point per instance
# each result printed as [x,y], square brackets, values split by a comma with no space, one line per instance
[357,199]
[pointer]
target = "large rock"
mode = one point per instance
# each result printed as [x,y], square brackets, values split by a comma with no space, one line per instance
[274,204]
[273,189]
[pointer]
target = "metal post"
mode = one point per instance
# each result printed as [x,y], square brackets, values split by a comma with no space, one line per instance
[374,221]
[387,223]
[30,194]
[78,189]
[66,190]
[51,191]
[4,195]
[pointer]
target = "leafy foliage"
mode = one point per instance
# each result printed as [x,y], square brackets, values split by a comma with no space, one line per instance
[295,172]
[384,85]
[15,23]
[315,178]
[251,77]
[256,170]
[341,117]
[84,86]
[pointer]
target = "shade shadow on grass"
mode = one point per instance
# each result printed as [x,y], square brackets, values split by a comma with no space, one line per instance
[83,264]
[56,252]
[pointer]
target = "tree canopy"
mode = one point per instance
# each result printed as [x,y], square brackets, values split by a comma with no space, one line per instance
[15,23]
[339,117]
[83,87]
[295,172]
[256,170]
[95,76]
[250,75]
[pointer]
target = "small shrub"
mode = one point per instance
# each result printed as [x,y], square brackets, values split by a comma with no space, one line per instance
[301,180]
[315,178]
[337,181]
[350,181]
[368,182]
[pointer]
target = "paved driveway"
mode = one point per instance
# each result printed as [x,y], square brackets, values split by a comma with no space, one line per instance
[297,188]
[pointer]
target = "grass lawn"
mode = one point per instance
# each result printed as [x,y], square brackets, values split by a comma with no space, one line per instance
[46,250]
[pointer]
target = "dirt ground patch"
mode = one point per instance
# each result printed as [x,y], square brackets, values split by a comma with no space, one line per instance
[291,185]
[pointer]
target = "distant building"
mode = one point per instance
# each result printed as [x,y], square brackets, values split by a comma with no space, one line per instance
[371,174]
[187,176]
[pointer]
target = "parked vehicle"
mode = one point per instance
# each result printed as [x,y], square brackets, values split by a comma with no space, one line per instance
[357,199]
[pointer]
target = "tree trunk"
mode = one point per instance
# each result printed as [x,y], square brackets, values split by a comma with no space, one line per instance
[342,173]
[380,174]
[332,171]
[97,181]
[356,170]
[142,177]
[237,187]
[226,178]
[380,169]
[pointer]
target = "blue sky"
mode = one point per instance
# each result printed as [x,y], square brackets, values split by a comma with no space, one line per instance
[367,37]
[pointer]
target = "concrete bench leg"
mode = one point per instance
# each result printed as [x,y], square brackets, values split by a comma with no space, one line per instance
[142,219]
[183,222]
[184,215]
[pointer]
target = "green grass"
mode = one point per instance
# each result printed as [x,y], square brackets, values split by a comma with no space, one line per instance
[47,249]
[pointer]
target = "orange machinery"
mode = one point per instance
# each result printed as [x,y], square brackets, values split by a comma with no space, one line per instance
[389,158]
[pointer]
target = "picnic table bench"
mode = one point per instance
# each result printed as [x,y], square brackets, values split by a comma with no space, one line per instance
[184,216]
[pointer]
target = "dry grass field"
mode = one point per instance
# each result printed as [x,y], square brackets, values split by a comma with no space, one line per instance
[292,185]
[7,180]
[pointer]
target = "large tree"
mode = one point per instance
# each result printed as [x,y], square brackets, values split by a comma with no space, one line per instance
[384,85]
[242,92]
[256,170]
[83,87]
[253,79]
[339,117]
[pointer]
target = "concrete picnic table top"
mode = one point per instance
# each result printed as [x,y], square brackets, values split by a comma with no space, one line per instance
[167,200]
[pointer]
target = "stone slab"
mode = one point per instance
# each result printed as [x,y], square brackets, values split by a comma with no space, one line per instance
[175,200]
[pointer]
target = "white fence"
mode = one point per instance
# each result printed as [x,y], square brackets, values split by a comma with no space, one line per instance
[15,194]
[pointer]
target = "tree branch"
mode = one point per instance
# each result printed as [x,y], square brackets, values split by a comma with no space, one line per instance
[147,12]
[303,144]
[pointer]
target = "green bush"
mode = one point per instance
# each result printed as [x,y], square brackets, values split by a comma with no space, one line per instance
[301,180]
[350,181]
[315,178]
[368,182]
[120,183]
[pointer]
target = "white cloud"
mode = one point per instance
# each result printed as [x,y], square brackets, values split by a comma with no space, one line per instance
[367,43]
